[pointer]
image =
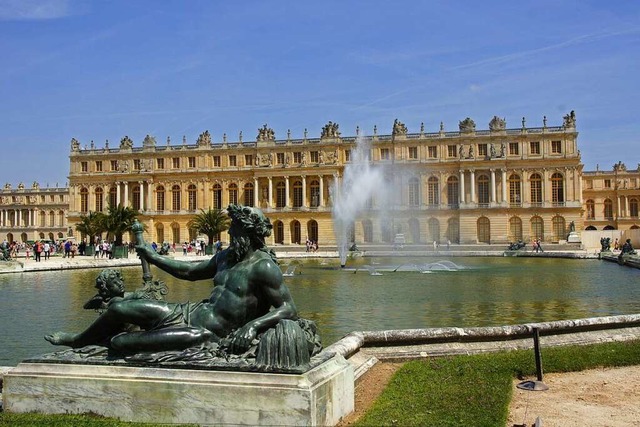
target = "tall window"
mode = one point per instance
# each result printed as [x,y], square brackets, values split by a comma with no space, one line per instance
[484,230]
[175,162]
[556,147]
[514,149]
[136,198]
[433,225]
[280,195]
[175,198]
[160,198]
[248,194]
[314,192]
[559,229]
[537,228]
[451,151]
[557,189]
[160,232]
[367,231]
[297,194]
[432,152]
[433,191]
[633,208]
[233,161]
[347,155]
[482,150]
[113,196]
[99,166]
[515,195]
[536,189]
[84,166]
[534,148]
[453,230]
[160,163]
[608,209]
[99,199]
[192,162]
[175,232]
[217,196]
[216,161]
[414,192]
[591,209]
[233,193]
[137,164]
[515,229]
[192,195]
[52,219]
[42,219]
[314,157]
[84,200]
[114,165]
[413,153]
[453,191]
[280,158]
[483,190]
[248,160]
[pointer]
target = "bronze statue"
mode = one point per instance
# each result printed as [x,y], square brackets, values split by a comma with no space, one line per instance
[248,298]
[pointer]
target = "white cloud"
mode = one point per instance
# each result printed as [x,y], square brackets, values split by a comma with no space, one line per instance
[26,10]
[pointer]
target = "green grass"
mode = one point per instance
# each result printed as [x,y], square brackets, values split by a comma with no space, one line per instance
[476,390]
[448,391]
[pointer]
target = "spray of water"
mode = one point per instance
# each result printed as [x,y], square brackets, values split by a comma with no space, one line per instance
[354,194]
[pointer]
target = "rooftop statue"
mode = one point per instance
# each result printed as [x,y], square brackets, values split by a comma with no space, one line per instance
[249,305]
[399,128]
[75,145]
[497,124]
[148,141]
[330,130]
[205,138]
[265,134]
[467,125]
[569,120]
[126,142]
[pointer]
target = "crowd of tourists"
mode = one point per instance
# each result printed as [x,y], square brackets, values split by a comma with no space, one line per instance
[43,249]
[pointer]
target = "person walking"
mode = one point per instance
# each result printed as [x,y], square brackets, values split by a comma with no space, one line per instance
[538,246]
[47,250]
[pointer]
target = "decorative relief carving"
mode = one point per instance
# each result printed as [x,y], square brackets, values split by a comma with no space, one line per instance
[205,139]
[497,124]
[265,134]
[332,157]
[467,125]
[399,128]
[126,143]
[330,130]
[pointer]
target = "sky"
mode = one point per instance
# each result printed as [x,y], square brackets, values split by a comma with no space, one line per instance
[100,70]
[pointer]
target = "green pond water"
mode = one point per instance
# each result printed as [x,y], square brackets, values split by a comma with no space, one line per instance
[368,295]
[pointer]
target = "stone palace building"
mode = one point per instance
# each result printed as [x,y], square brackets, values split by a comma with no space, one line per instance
[496,185]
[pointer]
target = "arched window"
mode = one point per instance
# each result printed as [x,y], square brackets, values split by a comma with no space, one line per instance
[414,192]
[537,228]
[192,197]
[434,230]
[385,231]
[453,230]
[113,196]
[278,232]
[312,230]
[160,198]
[314,192]
[414,230]
[280,195]
[453,191]
[42,219]
[484,230]
[175,233]
[608,209]
[591,228]
[217,196]
[433,191]
[61,217]
[483,190]
[633,208]
[295,232]
[52,219]
[233,193]
[591,209]
[367,231]
[159,233]
[515,229]
[248,194]
[99,193]
[176,203]
[515,190]
[559,231]
[297,194]
[557,189]
[536,189]
[84,200]
[136,198]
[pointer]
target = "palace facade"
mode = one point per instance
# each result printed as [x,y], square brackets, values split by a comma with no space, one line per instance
[469,186]
[36,213]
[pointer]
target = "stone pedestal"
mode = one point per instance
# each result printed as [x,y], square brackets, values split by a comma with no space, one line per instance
[321,396]
[573,237]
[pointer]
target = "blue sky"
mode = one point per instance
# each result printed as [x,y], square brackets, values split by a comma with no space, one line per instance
[100,70]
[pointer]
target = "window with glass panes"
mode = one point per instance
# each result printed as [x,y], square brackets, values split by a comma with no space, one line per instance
[113,165]
[217,196]
[432,151]
[515,196]
[280,158]
[113,196]
[451,151]
[248,160]
[414,192]
[433,191]
[248,194]
[192,197]
[99,166]
[160,163]
[608,209]
[536,189]
[160,198]
[297,194]
[534,147]
[233,194]
[514,149]
[314,193]
[557,188]
[191,161]
[413,153]
[482,150]
[314,157]
[559,228]
[99,193]
[384,154]
[483,190]
[84,200]
[556,147]
[216,161]
[297,157]
[347,155]
[537,228]
[233,161]
[633,208]
[136,198]
[453,191]
[280,195]
[84,166]
[137,164]
[175,162]
[175,196]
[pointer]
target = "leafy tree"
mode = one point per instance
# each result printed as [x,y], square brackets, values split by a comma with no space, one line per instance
[117,221]
[90,225]
[210,222]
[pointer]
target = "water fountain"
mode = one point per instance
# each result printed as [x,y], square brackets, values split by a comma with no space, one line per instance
[361,181]
[290,271]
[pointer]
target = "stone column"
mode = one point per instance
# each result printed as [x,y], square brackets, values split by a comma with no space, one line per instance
[286,192]
[256,193]
[141,184]
[304,192]
[321,191]
[493,185]
[545,185]
[150,201]
[126,194]
[462,200]
[118,193]
[504,186]
[269,202]
[473,186]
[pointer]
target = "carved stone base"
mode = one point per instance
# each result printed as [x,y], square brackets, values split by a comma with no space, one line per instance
[573,237]
[321,396]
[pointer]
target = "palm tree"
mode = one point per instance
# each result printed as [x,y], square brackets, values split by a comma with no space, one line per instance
[210,222]
[117,221]
[91,225]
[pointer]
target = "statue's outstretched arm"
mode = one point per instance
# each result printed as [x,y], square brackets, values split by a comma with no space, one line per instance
[181,269]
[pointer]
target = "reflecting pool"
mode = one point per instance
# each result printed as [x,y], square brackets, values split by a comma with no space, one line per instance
[372,294]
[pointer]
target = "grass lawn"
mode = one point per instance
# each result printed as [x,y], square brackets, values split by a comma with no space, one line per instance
[476,390]
[448,391]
